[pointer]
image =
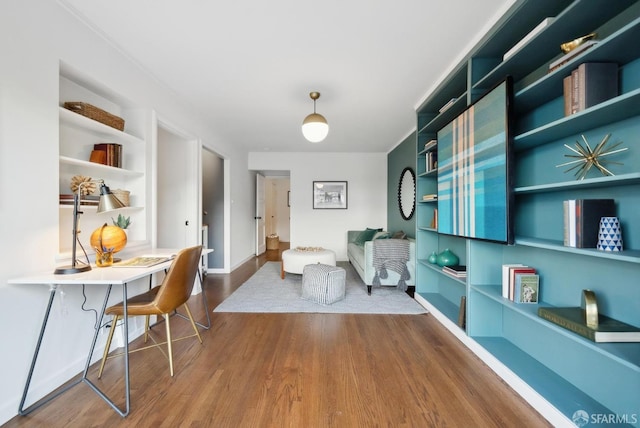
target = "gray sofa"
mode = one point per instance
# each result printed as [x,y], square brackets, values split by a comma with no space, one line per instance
[361,258]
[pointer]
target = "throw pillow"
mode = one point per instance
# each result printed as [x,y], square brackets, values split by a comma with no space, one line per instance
[382,235]
[366,235]
[399,235]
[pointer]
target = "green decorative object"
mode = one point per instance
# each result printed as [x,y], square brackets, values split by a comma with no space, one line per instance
[433,258]
[586,157]
[447,258]
[122,222]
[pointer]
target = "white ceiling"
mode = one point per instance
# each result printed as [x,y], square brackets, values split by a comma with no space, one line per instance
[249,65]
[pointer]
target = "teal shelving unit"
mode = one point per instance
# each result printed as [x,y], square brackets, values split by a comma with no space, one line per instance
[557,371]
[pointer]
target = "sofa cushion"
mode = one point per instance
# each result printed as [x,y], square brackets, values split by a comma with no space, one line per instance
[381,235]
[366,235]
[399,235]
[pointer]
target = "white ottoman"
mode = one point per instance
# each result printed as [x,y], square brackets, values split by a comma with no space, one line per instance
[294,260]
[323,284]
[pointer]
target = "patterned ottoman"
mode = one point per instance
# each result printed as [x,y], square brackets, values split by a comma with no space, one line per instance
[323,284]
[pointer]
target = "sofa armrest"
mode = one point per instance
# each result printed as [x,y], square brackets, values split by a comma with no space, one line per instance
[352,235]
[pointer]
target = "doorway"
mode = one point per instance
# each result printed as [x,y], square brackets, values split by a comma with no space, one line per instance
[178,220]
[278,207]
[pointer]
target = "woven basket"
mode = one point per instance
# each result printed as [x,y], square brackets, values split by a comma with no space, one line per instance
[93,112]
[122,195]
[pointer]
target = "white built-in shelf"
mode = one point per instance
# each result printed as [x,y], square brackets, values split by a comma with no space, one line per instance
[100,168]
[67,117]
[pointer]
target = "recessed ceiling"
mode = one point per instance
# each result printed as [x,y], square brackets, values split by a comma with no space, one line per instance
[248,66]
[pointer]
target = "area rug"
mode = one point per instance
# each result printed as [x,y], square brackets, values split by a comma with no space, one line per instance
[265,291]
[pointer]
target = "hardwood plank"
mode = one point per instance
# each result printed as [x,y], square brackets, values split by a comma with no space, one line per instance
[299,370]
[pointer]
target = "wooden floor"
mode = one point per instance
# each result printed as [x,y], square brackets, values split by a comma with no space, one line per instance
[298,370]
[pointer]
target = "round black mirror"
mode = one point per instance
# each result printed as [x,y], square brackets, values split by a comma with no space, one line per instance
[407,193]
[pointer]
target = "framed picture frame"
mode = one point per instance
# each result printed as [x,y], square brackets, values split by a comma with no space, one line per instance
[330,195]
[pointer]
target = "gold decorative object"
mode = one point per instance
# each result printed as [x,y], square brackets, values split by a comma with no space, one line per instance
[87,189]
[590,306]
[586,157]
[569,46]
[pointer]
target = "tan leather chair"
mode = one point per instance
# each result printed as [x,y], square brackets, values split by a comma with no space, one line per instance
[161,300]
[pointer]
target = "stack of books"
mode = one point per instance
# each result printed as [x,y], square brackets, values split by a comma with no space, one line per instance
[520,283]
[67,199]
[589,84]
[571,54]
[608,329]
[456,271]
[431,144]
[107,154]
[430,197]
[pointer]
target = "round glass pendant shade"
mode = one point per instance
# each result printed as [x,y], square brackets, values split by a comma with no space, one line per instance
[315,128]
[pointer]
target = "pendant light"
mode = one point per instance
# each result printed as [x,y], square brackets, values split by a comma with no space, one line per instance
[315,127]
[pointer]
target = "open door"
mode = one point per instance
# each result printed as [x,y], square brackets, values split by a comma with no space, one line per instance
[261,242]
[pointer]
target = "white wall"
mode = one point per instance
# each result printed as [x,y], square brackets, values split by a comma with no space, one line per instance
[366,174]
[35,36]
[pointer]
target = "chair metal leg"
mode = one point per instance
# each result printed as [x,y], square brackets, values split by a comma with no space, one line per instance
[146,328]
[204,304]
[169,343]
[114,322]
[193,324]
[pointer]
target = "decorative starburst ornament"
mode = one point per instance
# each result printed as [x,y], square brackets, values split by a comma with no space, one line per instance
[586,157]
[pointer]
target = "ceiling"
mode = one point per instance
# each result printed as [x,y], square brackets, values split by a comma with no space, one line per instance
[248,66]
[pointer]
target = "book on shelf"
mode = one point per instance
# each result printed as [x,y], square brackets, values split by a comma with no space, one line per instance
[505,278]
[430,197]
[582,220]
[458,271]
[431,160]
[590,84]
[430,144]
[112,153]
[434,219]
[570,55]
[462,313]
[448,104]
[608,330]
[526,39]
[527,288]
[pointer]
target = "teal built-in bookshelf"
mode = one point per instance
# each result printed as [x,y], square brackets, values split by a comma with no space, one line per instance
[557,371]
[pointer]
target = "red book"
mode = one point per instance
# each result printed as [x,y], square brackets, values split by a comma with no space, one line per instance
[512,277]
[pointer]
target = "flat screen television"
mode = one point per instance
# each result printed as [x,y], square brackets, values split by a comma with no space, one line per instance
[475,189]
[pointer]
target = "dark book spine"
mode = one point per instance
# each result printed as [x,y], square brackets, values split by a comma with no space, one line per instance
[597,82]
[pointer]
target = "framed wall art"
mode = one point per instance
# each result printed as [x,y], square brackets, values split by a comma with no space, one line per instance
[329,195]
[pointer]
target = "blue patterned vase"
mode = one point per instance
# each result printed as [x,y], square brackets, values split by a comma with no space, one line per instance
[610,234]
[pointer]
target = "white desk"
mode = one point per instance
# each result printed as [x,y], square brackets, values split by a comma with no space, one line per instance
[108,276]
